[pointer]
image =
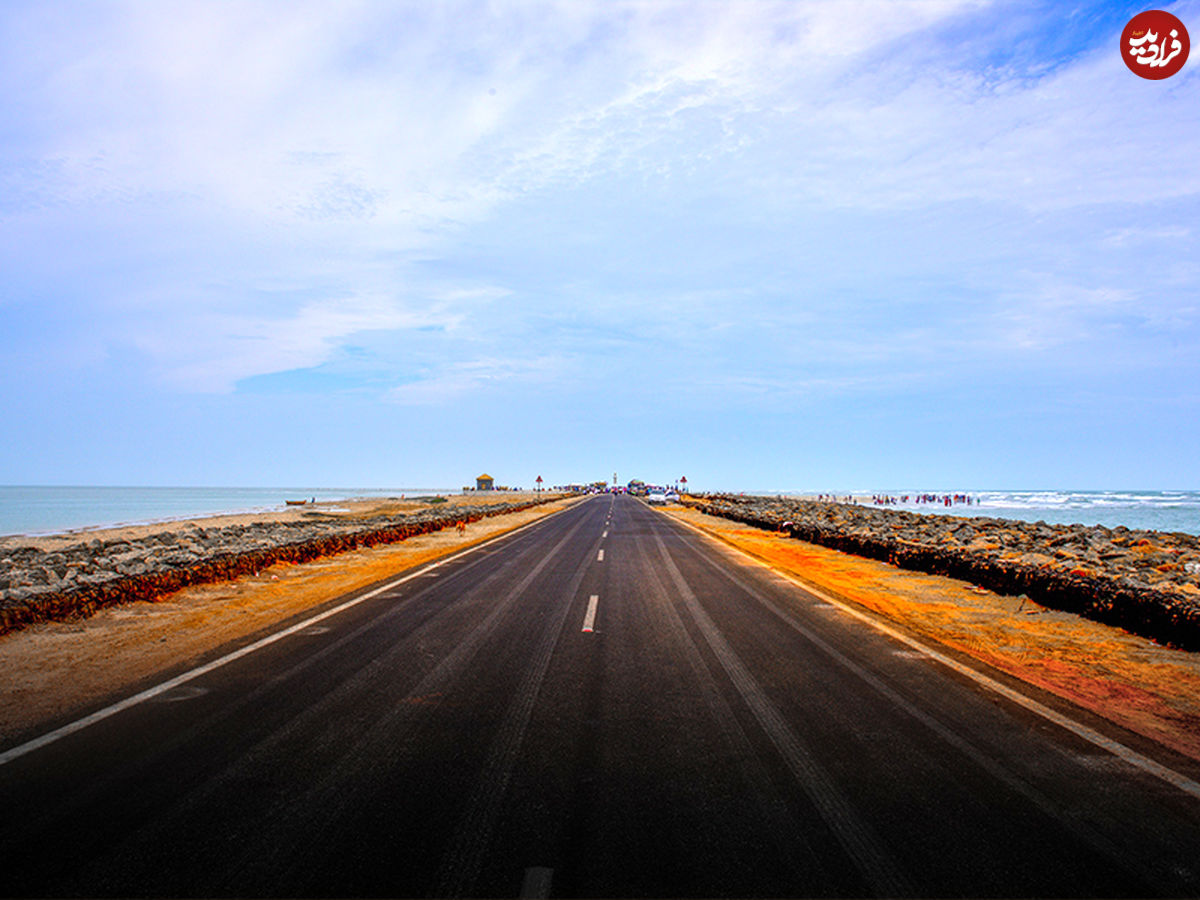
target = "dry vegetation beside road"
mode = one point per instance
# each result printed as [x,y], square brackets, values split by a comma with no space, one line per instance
[1130,680]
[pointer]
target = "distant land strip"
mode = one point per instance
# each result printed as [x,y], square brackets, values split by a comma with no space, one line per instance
[42,586]
[1147,582]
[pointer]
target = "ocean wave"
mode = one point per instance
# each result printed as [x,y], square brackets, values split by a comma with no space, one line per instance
[1149,510]
[1081,500]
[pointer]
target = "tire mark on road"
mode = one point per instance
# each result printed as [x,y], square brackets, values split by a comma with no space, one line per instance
[864,847]
[1085,833]
[464,857]
[379,746]
[785,830]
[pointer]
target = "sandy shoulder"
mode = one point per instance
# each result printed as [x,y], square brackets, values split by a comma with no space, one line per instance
[1130,680]
[53,672]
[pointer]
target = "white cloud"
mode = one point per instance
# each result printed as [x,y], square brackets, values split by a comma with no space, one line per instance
[1052,314]
[200,348]
[268,110]
[351,143]
[439,386]
[1124,237]
[220,350]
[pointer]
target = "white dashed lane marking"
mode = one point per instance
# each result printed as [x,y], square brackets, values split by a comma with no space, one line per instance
[589,619]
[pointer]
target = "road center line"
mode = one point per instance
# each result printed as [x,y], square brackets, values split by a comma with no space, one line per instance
[600,556]
[604,535]
[589,619]
[463,859]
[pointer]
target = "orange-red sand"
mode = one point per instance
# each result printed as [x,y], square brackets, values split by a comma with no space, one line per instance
[1146,688]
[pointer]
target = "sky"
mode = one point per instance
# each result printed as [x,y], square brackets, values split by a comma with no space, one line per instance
[799,246]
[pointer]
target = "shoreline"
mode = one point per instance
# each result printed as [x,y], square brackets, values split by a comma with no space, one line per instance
[75,573]
[83,530]
[1167,511]
[131,505]
[347,506]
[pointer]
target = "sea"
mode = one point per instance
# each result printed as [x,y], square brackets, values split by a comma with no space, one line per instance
[1141,510]
[51,510]
[34,510]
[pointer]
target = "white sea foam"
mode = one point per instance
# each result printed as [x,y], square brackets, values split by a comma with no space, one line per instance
[1151,510]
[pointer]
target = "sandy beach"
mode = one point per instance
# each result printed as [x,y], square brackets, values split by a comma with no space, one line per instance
[351,509]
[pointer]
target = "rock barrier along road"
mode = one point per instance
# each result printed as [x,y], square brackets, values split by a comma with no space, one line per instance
[1145,581]
[601,703]
[39,586]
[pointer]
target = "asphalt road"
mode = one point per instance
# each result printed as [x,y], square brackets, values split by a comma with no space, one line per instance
[716,731]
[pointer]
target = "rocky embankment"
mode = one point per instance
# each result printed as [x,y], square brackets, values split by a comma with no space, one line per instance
[1145,581]
[38,585]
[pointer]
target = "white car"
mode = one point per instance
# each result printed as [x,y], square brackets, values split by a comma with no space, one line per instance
[656,497]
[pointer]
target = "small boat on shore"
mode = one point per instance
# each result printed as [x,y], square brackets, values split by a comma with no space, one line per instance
[295,502]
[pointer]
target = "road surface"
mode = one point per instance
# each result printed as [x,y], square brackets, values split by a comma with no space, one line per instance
[604,703]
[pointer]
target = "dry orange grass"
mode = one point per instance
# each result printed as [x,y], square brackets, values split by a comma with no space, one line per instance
[1130,680]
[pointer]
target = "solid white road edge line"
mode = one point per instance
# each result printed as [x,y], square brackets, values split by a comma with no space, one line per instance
[79,724]
[1116,748]
[589,618]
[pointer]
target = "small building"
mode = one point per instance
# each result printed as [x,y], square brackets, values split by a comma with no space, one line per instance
[485,482]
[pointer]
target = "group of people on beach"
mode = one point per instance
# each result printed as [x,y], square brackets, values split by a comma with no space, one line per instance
[942,499]
[891,500]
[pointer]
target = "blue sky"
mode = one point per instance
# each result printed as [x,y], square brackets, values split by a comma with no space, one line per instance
[768,246]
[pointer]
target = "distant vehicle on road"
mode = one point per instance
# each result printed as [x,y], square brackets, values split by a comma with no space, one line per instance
[656,497]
